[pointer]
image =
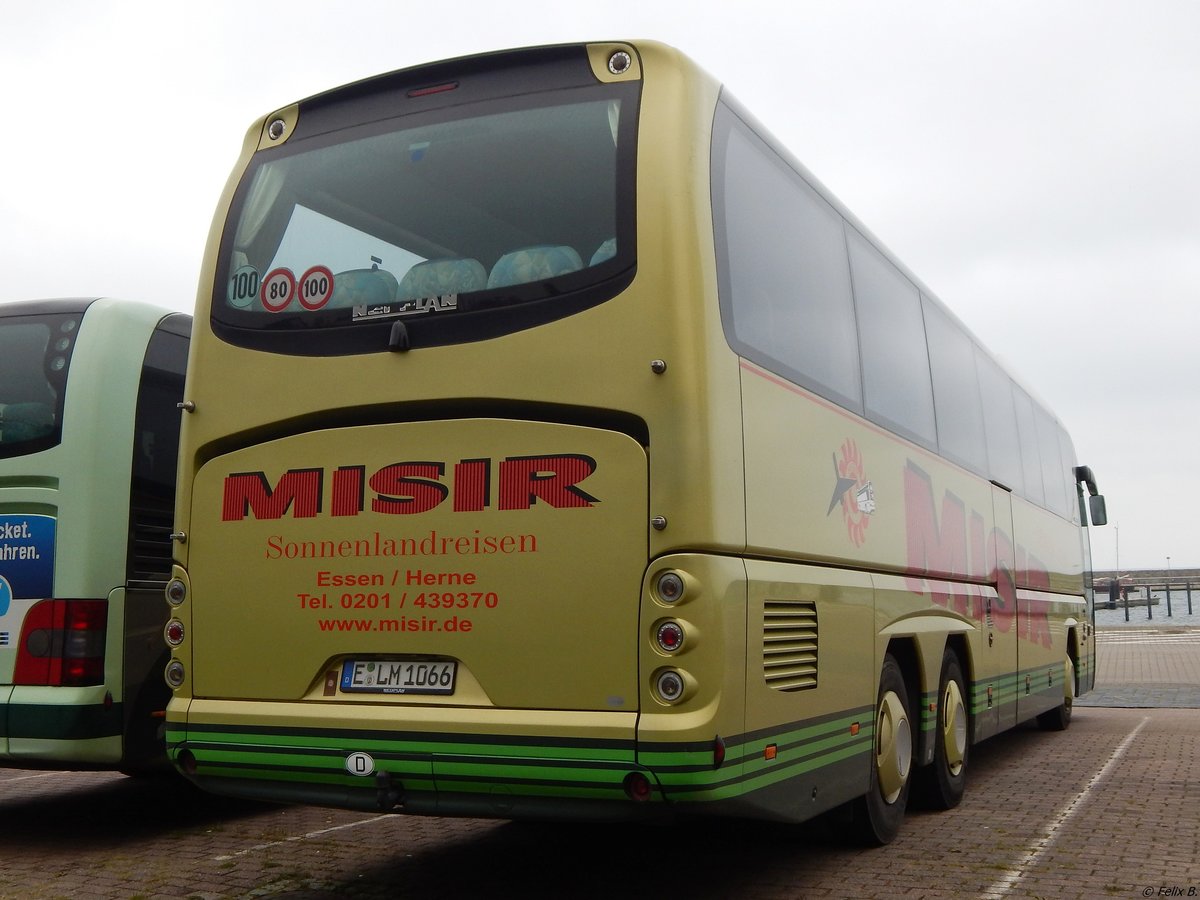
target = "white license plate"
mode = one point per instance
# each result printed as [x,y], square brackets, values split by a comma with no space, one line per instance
[399,676]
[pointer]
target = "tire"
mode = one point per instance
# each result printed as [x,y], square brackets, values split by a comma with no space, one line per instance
[879,813]
[941,784]
[1059,718]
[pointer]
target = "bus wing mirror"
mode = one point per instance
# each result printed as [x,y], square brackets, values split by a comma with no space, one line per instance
[1099,513]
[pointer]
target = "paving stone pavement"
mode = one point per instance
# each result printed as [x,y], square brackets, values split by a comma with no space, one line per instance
[1110,808]
[1146,667]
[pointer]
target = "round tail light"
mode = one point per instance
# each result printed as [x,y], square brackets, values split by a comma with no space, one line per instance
[669,587]
[669,685]
[670,636]
[637,787]
[176,592]
[174,673]
[174,633]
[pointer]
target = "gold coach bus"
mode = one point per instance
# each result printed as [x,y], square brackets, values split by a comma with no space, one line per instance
[557,446]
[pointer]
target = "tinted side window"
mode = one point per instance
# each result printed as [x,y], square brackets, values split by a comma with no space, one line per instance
[955,390]
[1031,464]
[155,456]
[35,356]
[1053,476]
[895,361]
[785,279]
[1074,500]
[1000,424]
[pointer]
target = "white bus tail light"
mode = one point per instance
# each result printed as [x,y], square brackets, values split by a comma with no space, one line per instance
[670,587]
[672,686]
[62,644]
[176,592]
[174,673]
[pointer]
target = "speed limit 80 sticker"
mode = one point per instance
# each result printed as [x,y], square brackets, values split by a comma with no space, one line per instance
[278,289]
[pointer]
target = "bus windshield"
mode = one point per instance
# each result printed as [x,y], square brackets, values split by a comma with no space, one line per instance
[35,353]
[433,217]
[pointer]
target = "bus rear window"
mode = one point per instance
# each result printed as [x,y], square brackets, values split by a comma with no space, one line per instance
[462,223]
[35,355]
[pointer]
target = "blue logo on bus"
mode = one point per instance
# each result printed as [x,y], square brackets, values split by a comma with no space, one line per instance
[26,558]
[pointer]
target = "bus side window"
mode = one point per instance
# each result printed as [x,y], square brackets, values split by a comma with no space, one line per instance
[781,259]
[956,398]
[895,360]
[155,452]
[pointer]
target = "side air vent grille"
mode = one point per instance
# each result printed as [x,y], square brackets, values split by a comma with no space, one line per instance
[790,644]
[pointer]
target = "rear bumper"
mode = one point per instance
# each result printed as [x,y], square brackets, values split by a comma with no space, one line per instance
[435,761]
[60,725]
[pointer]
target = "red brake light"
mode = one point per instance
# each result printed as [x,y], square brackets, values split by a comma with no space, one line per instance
[62,643]
[637,787]
[433,89]
[718,752]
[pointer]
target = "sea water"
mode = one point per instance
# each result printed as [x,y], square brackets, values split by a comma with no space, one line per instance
[1138,616]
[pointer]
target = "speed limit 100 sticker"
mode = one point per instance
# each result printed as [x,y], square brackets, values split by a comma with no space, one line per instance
[243,286]
[278,289]
[316,287]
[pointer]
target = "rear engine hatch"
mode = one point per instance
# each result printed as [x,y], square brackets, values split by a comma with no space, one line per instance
[513,549]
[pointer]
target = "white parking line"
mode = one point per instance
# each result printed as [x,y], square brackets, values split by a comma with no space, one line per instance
[29,777]
[1045,840]
[298,837]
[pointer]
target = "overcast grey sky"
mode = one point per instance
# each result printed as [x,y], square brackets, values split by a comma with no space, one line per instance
[1034,162]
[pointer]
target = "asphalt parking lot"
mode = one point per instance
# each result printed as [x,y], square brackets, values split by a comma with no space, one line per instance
[1111,808]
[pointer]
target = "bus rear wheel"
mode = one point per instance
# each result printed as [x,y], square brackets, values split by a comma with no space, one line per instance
[879,813]
[942,783]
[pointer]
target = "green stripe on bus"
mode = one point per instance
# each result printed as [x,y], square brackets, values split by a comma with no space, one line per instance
[61,723]
[481,763]
[349,741]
